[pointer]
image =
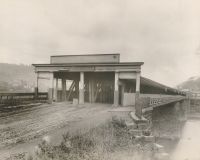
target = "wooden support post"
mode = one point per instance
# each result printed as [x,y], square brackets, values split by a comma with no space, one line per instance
[50,90]
[138,82]
[81,88]
[122,94]
[36,93]
[116,91]
[138,106]
[63,89]
[91,90]
[36,88]
[56,91]
[77,88]
[95,93]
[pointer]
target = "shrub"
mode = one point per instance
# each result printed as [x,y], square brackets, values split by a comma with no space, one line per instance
[99,143]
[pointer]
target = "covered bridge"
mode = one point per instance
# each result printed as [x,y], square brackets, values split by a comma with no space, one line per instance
[97,78]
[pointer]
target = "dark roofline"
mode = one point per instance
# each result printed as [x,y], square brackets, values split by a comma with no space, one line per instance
[160,85]
[85,55]
[91,64]
[154,82]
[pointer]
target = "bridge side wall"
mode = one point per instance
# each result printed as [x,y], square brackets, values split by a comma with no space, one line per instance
[178,109]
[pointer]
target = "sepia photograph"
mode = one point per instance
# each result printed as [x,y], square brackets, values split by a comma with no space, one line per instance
[99,80]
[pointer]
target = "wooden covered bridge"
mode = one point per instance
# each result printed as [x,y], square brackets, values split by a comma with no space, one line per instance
[102,78]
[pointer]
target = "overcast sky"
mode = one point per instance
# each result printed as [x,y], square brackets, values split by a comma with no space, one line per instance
[164,34]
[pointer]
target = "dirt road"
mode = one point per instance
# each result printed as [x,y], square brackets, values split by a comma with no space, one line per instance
[22,129]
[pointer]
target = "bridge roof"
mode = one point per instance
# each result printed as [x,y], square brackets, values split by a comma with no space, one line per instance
[90,64]
[149,82]
[89,67]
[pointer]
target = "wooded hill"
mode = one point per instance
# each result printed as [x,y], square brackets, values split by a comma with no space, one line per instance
[192,84]
[16,78]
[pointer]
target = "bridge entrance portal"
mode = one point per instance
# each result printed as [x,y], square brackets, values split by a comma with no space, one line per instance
[98,87]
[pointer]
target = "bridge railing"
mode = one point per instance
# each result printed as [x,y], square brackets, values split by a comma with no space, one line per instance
[164,100]
[155,100]
[15,98]
[146,102]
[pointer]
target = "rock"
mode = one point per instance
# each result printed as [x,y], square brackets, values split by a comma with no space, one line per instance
[158,148]
[146,132]
[46,139]
[137,119]
[142,126]
[130,125]
[37,150]
[135,132]
[161,156]
[139,138]
[75,101]
[149,138]
[29,157]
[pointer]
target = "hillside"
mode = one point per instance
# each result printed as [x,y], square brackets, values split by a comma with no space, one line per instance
[192,83]
[16,78]
[21,78]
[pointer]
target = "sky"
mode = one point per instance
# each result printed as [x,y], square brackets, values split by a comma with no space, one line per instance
[164,34]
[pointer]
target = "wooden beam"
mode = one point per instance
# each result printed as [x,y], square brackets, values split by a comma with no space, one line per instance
[63,89]
[81,88]
[70,90]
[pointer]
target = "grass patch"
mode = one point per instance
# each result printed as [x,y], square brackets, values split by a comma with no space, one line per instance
[110,141]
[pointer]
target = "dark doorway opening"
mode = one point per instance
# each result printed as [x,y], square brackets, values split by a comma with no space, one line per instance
[68,85]
[99,87]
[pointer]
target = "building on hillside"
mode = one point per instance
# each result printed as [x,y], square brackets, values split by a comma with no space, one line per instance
[97,78]
[194,94]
